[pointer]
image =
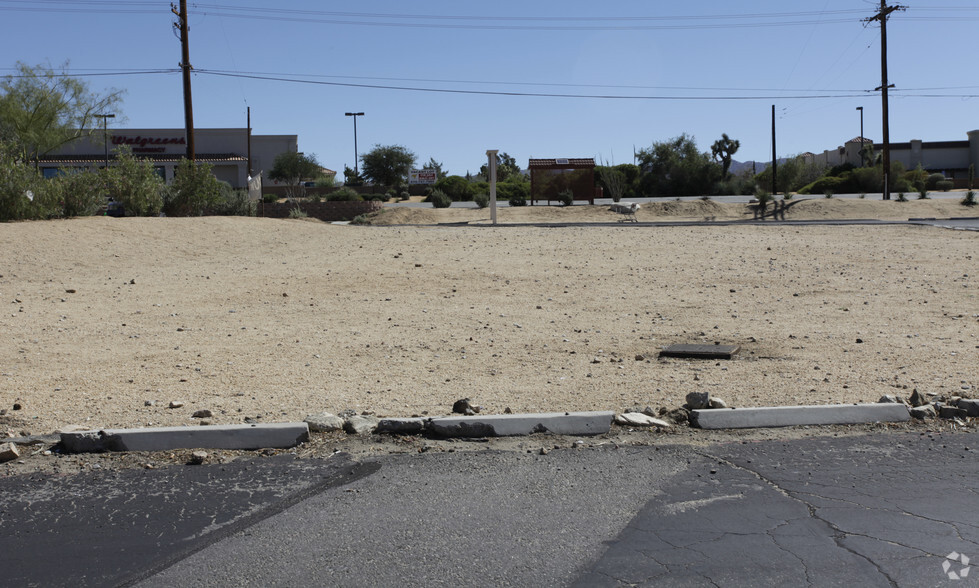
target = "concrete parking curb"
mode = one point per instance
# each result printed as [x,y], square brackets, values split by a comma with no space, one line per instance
[506,425]
[271,435]
[787,416]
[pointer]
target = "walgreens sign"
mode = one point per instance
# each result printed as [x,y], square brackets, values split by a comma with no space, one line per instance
[142,144]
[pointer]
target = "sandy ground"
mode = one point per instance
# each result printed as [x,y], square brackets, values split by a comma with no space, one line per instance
[106,321]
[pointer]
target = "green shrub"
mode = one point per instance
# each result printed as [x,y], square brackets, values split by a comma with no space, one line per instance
[345,195]
[269,198]
[510,189]
[440,199]
[360,219]
[482,199]
[194,191]
[566,197]
[901,197]
[822,185]
[945,185]
[969,199]
[235,203]
[455,187]
[828,193]
[932,181]
[517,200]
[80,193]
[297,213]
[922,193]
[134,184]
[902,185]
[764,198]
[405,195]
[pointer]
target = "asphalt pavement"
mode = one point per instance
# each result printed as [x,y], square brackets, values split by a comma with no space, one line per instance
[878,510]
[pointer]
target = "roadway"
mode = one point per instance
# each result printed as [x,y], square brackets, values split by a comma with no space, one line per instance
[884,509]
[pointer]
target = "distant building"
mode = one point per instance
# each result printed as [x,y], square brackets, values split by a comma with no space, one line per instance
[225,149]
[951,158]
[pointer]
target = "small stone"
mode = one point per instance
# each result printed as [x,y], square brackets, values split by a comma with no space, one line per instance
[176,404]
[149,403]
[888,399]
[698,400]
[17,406]
[462,405]
[197,458]
[507,410]
[717,403]
[8,452]
[918,399]
[543,451]
[360,425]
[202,414]
[923,412]
[324,422]
[677,415]
[970,406]
[952,412]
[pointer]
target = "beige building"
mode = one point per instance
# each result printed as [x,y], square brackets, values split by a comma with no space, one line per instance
[225,149]
[951,158]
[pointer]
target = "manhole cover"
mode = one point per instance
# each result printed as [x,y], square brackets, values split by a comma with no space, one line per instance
[700,351]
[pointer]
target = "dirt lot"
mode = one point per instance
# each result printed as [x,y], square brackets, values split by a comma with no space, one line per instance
[106,321]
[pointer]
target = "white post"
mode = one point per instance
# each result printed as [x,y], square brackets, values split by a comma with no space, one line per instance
[492,182]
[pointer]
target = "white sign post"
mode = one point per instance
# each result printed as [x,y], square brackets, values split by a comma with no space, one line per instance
[492,182]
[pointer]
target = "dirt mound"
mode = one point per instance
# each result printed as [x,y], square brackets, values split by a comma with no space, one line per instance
[690,209]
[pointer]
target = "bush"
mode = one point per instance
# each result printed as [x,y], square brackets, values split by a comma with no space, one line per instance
[825,184]
[513,189]
[134,184]
[80,193]
[269,198]
[932,181]
[518,200]
[566,197]
[360,219]
[902,185]
[235,203]
[194,191]
[901,197]
[345,195]
[969,199]
[440,199]
[945,185]
[482,200]
[405,195]
[922,193]
[297,213]
[455,187]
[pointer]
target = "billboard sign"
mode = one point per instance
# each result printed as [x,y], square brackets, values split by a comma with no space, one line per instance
[422,176]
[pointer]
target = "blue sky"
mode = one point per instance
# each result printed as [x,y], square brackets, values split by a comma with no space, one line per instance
[705,56]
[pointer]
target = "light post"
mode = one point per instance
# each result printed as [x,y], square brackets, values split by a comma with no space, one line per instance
[105,134]
[355,115]
[862,159]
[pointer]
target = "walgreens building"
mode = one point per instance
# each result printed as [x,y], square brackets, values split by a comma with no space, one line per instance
[227,150]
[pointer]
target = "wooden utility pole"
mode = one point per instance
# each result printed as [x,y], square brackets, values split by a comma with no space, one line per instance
[881,16]
[185,66]
[774,157]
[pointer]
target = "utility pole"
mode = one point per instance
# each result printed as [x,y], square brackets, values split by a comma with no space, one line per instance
[185,66]
[881,16]
[774,156]
[355,115]
[249,142]
[105,134]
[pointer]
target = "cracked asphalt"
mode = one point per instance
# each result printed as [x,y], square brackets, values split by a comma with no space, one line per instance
[872,510]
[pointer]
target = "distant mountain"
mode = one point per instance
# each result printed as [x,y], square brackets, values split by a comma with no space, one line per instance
[738,167]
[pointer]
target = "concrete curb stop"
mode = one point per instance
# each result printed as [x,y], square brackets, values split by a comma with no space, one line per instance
[257,436]
[787,416]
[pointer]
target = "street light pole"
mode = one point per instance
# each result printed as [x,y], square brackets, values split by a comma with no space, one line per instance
[105,134]
[862,159]
[355,115]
